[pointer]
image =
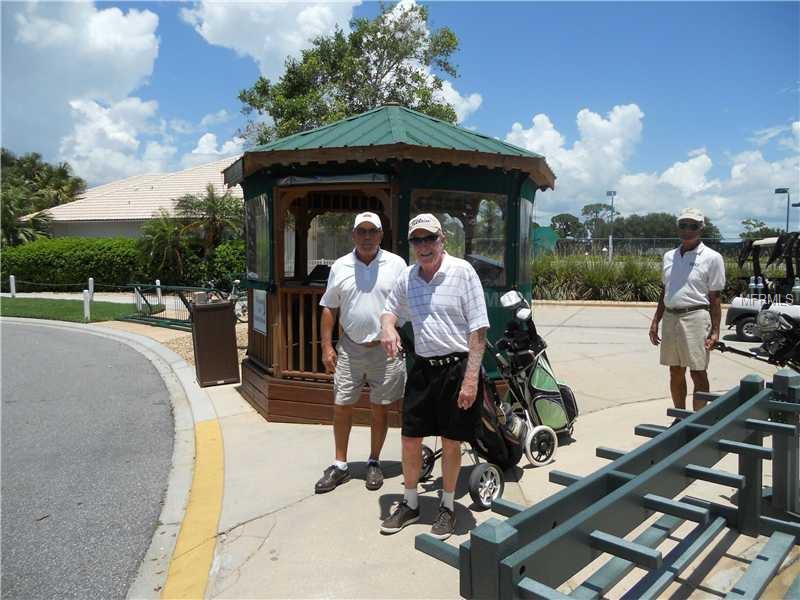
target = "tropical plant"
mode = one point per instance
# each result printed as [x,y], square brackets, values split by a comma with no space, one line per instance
[391,58]
[213,217]
[165,247]
[15,228]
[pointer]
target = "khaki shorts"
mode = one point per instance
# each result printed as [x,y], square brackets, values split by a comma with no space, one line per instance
[357,365]
[683,338]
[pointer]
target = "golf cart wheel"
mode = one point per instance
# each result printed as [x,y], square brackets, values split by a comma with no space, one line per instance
[486,484]
[746,330]
[540,445]
[428,459]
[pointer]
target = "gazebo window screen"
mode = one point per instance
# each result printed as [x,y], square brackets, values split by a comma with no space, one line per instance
[257,232]
[525,241]
[474,227]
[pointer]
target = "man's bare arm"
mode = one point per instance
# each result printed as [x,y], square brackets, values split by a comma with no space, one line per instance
[390,338]
[469,387]
[715,298]
[657,319]
[328,353]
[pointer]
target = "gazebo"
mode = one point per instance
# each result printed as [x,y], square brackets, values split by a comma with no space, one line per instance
[301,193]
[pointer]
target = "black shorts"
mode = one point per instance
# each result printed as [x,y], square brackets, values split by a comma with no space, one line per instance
[430,406]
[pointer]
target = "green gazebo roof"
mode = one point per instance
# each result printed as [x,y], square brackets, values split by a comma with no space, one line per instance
[393,132]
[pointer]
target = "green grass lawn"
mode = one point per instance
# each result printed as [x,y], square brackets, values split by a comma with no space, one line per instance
[62,310]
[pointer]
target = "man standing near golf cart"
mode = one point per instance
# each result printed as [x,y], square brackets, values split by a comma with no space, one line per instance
[358,285]
[693,276]
[443,298]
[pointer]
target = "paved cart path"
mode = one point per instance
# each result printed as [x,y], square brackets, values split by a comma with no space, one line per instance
[87,439]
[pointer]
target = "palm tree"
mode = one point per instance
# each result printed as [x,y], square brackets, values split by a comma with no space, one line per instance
[164,246]
[16,229]
[213,217]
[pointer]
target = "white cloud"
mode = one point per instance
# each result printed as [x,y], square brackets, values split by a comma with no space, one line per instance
[221,116]
[597,161]
[106,141]
[792,141]
[463,105]
[763,136]
[268,32]
[207,150]
[57,52]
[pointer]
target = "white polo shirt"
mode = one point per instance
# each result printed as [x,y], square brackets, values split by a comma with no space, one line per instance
[360,292]
[443,311]
[689,278]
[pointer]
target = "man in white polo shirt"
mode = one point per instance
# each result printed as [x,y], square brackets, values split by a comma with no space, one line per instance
[443,298]
[693,276]
[358,285]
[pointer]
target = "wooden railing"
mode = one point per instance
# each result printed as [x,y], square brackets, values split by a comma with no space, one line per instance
[299,348]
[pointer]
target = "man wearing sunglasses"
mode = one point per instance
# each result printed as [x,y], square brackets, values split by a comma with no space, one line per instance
[693,276]
[443,298]
[358,285]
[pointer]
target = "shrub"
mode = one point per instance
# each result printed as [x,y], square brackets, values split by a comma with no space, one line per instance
[61,261]
[227,263]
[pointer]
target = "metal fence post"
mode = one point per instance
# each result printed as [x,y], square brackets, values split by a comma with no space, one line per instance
[87,315]
[12,284]
[91,287]
[786,448]
[158,292]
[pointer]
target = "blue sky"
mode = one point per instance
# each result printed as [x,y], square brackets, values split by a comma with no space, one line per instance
[671,104]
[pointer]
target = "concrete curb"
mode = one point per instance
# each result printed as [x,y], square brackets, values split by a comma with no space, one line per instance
[190,405]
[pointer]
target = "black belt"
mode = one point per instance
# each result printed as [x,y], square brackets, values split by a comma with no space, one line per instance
[440,361]
[688,309]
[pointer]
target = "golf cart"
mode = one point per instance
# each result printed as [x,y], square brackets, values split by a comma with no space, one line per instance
[743,309]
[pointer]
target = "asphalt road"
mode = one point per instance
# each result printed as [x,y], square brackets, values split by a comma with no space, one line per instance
[87,436]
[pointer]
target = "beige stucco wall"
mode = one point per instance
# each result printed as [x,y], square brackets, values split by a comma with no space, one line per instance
[130,229]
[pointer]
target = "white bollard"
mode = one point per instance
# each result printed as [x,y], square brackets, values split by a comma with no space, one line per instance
[91,287]
[12,284]
[87,303]
[158,291]
[137,297]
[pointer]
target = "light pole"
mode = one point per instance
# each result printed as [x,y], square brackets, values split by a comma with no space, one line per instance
[611,194]
[788,199]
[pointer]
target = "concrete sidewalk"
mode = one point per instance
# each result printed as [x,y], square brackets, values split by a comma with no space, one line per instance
[277,539]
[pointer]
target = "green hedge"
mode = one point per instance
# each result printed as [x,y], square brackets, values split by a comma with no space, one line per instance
[61,261]
[628,279]
[67,263]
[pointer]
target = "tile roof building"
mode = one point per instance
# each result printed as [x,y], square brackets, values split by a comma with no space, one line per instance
[120,208]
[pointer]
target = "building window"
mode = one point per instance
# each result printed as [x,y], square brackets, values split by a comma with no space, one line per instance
[525,241]
[475,228]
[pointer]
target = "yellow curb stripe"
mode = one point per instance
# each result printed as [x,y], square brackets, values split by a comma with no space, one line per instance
[194,550]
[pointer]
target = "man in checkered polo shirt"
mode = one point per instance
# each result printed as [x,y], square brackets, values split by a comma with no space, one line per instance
[443,298]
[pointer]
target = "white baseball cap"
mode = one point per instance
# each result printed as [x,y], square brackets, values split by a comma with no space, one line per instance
[691,214]
[424,221]
[367,217]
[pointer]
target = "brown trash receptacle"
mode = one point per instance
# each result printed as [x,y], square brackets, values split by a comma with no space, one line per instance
[214,338]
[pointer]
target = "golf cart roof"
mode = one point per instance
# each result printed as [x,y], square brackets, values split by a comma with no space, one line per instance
[770,241]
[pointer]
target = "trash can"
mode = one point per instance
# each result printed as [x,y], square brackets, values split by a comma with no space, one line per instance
[214,338]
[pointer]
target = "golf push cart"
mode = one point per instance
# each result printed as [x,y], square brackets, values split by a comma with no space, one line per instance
[535,410]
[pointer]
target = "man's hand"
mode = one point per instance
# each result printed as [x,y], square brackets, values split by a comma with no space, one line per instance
[712,340]
[329,359]
[654,339]
[390,340]
[467,395]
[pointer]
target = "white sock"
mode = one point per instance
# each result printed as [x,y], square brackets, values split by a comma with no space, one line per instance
[447,500]
[412,499]
[340,464]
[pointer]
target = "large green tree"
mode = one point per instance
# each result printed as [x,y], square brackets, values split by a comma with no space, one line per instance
[568,225]
[31,185]
[755,230]
[394,57]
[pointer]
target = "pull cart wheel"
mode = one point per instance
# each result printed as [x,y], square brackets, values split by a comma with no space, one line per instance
[486,484]
[428,458]
[540,445]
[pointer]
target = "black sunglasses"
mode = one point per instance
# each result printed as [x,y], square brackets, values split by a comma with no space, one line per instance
[690,226]
[416,241]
